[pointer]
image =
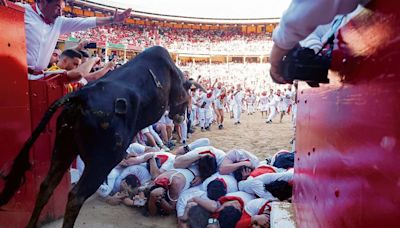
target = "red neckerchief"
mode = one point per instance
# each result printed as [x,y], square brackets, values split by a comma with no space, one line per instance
[262,170]
[34,7]
[225,199]
[208,152]
[209,95]
[163,158]
[223,182]
[262,209]
[222,96]
[163,182]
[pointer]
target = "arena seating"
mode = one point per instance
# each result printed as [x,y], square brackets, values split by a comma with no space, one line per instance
[181,40]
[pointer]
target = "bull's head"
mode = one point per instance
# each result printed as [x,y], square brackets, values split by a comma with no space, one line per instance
[179,96]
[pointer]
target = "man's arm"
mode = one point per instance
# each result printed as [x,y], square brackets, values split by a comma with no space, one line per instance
[82,70]
[3,3]
[138,160]
[209,205]
[186,160]
[298,21]
[154,170]
[228,166]
[100,73]
[80,23]
[117,18]
[303,16]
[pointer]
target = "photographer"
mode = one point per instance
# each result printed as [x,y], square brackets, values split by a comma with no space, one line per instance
[298,21]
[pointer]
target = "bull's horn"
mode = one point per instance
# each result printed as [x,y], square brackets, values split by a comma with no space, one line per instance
[198,86]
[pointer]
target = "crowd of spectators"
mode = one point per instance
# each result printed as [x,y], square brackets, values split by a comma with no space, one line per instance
[180,40]
[254,76]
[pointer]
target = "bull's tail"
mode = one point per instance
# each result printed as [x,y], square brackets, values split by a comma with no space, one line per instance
[21,164]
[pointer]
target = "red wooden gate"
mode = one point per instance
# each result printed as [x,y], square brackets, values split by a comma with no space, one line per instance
[348,134]
[22,105]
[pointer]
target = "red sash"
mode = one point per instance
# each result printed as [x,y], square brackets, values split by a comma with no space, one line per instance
[262,170]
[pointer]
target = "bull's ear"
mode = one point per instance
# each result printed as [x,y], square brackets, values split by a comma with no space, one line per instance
[188,84]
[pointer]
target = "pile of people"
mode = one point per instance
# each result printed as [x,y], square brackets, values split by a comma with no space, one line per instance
[201,184]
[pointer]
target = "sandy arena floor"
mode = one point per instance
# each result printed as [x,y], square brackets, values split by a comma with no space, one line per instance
[253,135]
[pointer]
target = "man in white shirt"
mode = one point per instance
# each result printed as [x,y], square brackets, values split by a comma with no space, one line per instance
[205,111]
[273,106]
[44,24]
[238,97]
[263,103]
[261,185]
[298,21]
[237,158]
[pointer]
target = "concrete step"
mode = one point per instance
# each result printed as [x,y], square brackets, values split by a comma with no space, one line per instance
[282,215]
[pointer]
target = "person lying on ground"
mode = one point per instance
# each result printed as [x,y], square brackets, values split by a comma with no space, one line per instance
[271,186]
[225,212]
[204,159]
[167,188]
[237,158]
[256,214]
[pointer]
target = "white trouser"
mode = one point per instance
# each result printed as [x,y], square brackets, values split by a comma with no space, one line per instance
[156,136]
[196,116]
[107,186]
[250,108]
[205,117]
[272,113]
[237,111]
[184,130]
[199,143]
[80,166]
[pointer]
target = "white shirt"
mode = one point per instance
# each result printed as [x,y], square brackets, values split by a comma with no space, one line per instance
[218,154]
[238,98]
[274,101]
[303,16]
[254,206]
[139,171]
[185,196]
[41,38]
[136,149]
[207,100]
[167,160]
[238,155]
[256,185]
[230,181]
[264,100]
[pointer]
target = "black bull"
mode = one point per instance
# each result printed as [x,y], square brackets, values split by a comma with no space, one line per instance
[98,123]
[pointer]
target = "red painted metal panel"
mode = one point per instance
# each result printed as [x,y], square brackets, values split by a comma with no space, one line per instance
[348,135]
[15,125]
[43,94]
[22,105]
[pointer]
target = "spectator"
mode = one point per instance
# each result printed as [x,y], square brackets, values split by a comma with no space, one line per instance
[54,57]
[43,25]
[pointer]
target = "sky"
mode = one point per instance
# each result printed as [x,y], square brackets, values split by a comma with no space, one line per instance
[220,9]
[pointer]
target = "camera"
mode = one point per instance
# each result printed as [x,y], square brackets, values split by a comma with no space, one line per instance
[303,64]
[90,46]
